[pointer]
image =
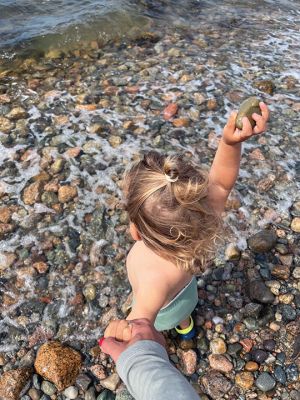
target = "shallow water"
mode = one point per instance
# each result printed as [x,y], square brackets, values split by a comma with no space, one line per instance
[224,46]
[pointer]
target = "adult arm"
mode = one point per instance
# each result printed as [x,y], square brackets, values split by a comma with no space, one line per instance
[145,369]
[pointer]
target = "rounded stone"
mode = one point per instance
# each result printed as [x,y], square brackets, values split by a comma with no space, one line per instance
[280,375]
[251,366]
[220,363]
[247,108]
[259,356]
[218,346]
[262,241]
[71,392]
[269,344]
[244,380]
[292,373]
[89,292]
[265,382]
[48,388]
[295,225]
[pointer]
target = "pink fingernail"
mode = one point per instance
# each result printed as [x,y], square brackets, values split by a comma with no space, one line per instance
[100,341]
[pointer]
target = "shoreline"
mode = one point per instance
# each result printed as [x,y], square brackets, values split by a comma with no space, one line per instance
[72,123]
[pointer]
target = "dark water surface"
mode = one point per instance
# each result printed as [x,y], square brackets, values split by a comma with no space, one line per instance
[39,25]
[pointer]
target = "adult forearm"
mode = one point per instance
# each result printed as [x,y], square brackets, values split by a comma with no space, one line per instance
[146,370]
[225,167]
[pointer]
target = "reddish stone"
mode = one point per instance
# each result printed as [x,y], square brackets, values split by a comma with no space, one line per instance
[170,111]
[247,344]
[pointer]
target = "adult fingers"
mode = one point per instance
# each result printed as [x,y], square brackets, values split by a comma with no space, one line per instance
[112,347]
[264,111]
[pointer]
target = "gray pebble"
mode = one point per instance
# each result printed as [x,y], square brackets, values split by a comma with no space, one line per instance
[90,394]
[48,388]
[265,382]
[280,375]
[71,392]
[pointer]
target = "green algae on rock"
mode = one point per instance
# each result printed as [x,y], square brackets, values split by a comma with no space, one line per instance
[247,108]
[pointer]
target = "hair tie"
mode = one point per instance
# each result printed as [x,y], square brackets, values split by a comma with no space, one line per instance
[171,180]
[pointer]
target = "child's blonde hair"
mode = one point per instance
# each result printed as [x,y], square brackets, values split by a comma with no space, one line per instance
[166,199]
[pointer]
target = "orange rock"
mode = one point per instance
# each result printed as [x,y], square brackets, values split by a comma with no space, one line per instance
[33,83]
[212,104]
[12,382]
[111,90]
[4,99]
[247,344]
[256,154]
[61,119]
[132,89]
[73,152]
[181,122]
[58,364]
[5,215]
[170,111]
[41,267]
[86,107]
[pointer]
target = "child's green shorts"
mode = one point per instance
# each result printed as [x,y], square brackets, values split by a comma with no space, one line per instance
[179,308]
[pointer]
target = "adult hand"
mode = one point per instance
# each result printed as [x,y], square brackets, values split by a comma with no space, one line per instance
[232,135]
[120,334]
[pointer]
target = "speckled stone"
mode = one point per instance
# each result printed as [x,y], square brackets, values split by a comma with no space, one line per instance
[188,362]
[216,385]
[71,392]
[218,346]
[265,382]
[48,388]
[58,364]
[244,380]
[220,363]
[280,375]
[13,381]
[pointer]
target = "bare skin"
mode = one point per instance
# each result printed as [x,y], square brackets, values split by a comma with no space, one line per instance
[156,281]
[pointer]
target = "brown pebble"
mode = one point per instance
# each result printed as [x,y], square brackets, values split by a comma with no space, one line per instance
[251,366]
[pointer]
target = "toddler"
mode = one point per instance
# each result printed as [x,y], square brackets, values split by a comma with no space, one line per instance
[175,212]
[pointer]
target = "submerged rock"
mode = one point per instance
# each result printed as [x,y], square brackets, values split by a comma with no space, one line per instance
[58,364]
[262,241]
[260,292]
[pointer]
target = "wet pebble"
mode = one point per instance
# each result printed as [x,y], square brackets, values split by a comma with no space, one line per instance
[259,356]
[188,362]
[48,388]
[244,380]
[71,392]
[280,375]
[265,382]
[218,346]
[292,373]
[220,363]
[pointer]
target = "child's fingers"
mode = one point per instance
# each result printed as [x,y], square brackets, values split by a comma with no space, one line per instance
[260,123]
[122,325]
[110,331]
[231,121]
[247,128]
[264,111]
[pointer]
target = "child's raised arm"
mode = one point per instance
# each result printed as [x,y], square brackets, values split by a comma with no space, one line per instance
[225,167]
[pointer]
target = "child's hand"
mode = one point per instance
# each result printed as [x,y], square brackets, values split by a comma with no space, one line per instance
[232,135]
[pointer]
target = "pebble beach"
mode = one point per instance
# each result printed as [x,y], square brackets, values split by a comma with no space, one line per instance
[71,121]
